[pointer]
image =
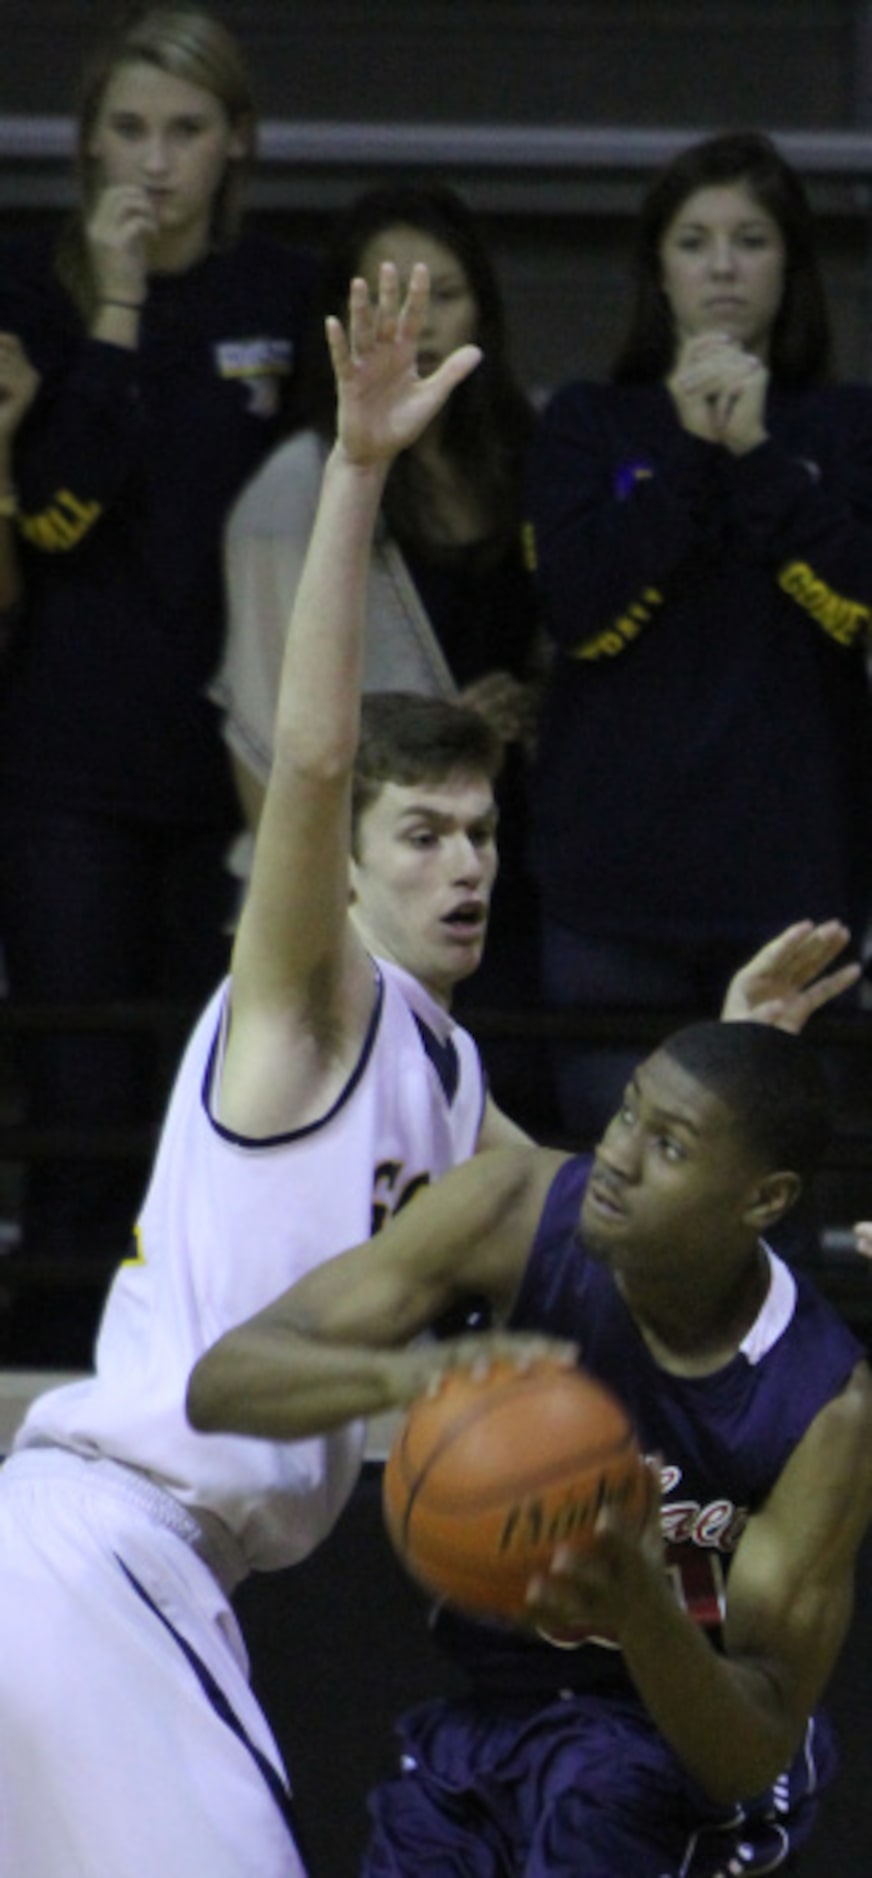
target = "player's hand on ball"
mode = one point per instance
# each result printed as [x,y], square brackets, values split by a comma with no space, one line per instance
[596,1588]
[491,1476]
[477,1355]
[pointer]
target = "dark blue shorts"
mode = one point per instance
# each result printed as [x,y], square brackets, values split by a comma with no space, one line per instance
[578,1789]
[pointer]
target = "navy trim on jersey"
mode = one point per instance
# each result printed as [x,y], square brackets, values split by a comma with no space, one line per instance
[215,1695]
[309,1128]
[443,1057]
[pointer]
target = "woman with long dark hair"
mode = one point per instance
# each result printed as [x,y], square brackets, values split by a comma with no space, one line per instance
[703,527]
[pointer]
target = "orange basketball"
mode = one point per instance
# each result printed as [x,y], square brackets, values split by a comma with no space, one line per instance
[486,1477]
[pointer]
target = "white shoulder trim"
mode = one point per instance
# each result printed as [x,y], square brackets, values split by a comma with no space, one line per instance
[775,1312]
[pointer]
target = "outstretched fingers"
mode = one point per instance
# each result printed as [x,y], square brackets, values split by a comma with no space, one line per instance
[810,949]
[383,405]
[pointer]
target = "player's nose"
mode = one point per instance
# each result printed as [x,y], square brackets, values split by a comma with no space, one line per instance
[620,1150]
[468,859]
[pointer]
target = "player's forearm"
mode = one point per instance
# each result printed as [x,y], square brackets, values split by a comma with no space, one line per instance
[273,1383]
[317,718]
[725,1719]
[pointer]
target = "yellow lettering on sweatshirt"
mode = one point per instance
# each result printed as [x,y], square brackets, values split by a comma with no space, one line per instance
[62,525]
[843,620]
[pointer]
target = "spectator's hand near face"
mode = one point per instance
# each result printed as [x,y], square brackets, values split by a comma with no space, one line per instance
[19,383]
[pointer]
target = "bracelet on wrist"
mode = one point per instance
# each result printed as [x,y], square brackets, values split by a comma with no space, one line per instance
[133,306]
[8,504]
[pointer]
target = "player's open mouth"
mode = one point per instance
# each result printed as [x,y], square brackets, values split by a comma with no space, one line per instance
[604,1201]
[471,916]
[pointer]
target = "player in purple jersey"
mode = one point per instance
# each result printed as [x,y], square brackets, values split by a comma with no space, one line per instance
[692,1747]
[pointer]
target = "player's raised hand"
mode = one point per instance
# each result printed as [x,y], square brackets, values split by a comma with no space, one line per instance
[789,979]
[382,404]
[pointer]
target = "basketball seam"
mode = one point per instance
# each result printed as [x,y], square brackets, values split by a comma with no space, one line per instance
[477,1411]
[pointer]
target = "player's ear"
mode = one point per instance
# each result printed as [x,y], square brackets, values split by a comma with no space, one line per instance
[772,1196]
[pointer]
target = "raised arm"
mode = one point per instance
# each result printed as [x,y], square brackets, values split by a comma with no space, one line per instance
[301,981]
[331,1348]
[790,977]
[736,1718]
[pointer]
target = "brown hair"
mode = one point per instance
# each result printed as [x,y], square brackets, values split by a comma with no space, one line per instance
[188,43]
[408,737]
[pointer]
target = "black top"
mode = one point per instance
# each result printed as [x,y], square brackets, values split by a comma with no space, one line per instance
[126,468]
[706,745]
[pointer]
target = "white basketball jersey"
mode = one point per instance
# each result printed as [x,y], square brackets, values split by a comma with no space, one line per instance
[227,1225]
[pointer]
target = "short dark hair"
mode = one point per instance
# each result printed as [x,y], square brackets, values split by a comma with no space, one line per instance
[409,737]
[800,342]
[773,1083]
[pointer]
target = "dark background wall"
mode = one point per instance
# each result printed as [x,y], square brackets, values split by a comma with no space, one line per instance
[548,114]
[503,61]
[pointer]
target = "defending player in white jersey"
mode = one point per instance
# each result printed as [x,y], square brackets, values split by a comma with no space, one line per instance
[324,1081]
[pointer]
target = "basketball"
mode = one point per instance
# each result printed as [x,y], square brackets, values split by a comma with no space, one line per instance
[488,1475]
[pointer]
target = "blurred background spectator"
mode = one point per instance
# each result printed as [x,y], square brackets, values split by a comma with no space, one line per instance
[167,343]
[703,529]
